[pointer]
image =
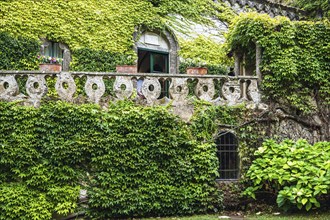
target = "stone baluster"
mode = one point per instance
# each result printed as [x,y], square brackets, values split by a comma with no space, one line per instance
[65,86]
[179,90]
[151,89]
[204,89]
[36,88]
[231,90]
[94,88]
[8,88]
[123,87]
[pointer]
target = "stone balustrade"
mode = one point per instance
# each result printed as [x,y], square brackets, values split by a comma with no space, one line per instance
[218,89]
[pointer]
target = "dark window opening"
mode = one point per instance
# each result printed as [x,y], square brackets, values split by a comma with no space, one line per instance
[154,62]
[227,153]
[54,50]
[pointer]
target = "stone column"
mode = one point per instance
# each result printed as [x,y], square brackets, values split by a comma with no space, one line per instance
[244,86]
[66,57]
[237,62]
[258,62]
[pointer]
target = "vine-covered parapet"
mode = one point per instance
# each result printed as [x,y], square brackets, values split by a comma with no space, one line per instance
[31,87]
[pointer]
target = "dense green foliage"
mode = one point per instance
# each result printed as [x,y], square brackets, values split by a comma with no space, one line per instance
[18,53]
[99,60]
[295,56]
[133,161]
[103,27]
[204,52]
[318,8]
[297,172]
[209,120]
[211,69]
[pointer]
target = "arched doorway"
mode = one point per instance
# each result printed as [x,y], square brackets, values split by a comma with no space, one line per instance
[160,43]
[157,53]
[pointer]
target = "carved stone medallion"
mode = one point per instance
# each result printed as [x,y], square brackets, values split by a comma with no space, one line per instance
[231,90]
[8,87]
[123,87]
[179,89]
[36,86]
[94,88]
[151,89]
[205,89]
[65,86]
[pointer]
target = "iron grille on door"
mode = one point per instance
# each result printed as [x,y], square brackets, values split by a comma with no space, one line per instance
[227,153]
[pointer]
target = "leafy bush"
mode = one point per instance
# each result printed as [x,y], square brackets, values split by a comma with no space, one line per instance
[297,172]
[134,161]
[18,53]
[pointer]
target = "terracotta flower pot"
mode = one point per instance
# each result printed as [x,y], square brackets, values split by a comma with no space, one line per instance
[50,67]
[196,70]
[126,69]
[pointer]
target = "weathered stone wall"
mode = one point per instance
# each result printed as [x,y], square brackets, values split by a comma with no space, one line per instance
[271,8]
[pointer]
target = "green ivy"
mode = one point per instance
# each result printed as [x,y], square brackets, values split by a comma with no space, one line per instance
[295,56]
[102,27]
[315,8]
[133,160]
[99,60]
[296,172]
[18,53]
[203,51]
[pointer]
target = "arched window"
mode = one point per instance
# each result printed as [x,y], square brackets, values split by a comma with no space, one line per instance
[56,49]
[227,153]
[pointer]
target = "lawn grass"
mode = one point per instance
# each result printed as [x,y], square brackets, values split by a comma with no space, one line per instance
[300,216]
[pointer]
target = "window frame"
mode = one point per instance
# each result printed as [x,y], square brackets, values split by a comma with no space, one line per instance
[233,142]
[66,53]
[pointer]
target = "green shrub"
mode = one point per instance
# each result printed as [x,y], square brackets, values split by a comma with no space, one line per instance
[297,172]
[18,53]
[134,161]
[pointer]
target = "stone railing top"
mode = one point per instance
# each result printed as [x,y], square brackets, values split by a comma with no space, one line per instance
[114,74]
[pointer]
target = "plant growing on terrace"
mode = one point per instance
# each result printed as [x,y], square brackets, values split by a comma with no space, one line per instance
[49,60]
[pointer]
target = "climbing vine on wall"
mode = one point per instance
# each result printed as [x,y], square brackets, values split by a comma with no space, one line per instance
[204,52]
[209,120]
[133,160]
[99,25]
[17,53]
[295,56]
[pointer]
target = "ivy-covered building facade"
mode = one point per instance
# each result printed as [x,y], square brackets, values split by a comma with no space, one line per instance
[132,126]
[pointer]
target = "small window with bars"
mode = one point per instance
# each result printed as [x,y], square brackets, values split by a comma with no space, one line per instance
[227,146]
